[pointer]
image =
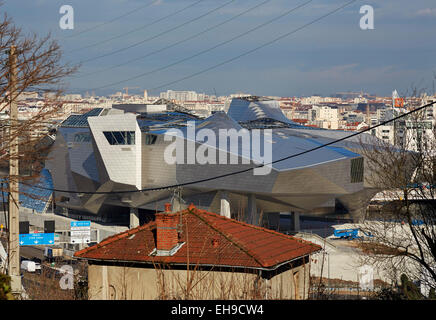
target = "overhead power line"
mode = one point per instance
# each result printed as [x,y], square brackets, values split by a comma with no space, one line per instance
[209,49]
[112,20]
[243,170]
[176,43]
[143,27]
[161,33]
[254,49]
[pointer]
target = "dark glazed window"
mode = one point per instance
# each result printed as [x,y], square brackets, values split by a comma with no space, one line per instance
[150,139]
[120,137]
[356,170]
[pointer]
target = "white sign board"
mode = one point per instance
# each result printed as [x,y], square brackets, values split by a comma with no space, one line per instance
[80,232]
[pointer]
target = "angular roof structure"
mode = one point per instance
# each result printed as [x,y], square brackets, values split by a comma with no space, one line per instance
[246,109]
[209,240]
[85,159]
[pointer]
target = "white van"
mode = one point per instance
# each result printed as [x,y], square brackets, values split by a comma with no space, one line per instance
[29,266]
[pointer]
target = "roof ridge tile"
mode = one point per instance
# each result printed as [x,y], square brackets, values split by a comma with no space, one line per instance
[229,236]
[257,227]
[246,253]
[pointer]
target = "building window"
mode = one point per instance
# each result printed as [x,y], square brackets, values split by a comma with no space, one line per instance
[356,170]
[120,137]
[150,139]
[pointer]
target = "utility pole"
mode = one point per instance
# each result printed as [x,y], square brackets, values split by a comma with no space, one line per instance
[14,245]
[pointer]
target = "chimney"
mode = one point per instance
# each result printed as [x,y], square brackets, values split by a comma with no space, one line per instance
[167,236]
[168,207]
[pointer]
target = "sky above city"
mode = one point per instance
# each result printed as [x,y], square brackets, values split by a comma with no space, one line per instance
[222,47]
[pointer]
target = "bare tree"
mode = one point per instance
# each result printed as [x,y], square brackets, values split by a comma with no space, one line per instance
[402,228]
[39,68]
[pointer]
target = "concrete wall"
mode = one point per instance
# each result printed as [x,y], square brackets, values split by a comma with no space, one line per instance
[110,282]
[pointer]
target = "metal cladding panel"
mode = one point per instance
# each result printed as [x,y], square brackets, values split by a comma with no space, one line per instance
[244,182]
[242,110]
[58,163]
[200,200]
[81,152]
[328,178]
[326,136]
[119,160]
[281,145]
[154,170]
[287,146]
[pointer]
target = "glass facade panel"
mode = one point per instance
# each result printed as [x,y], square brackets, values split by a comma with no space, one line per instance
[150,139]
[356,170]
[120,137]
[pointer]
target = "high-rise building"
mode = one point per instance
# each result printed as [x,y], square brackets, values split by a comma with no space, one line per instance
[182,95]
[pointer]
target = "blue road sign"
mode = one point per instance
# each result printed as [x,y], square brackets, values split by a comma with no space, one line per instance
[36,239]
[75,224]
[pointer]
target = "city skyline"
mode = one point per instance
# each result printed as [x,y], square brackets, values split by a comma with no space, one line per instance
[331,55]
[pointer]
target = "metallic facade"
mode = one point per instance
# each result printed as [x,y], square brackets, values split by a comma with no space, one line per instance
[107,150]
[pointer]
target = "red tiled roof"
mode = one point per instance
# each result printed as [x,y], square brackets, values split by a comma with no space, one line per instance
[353,124]
[239,244]
[300,120]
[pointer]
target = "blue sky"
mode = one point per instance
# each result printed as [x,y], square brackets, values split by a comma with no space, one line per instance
[329,56]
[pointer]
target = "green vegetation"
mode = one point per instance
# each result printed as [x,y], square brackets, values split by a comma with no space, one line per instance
[5,288]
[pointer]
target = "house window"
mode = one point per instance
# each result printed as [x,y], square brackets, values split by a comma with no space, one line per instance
[356,170]
[120,137]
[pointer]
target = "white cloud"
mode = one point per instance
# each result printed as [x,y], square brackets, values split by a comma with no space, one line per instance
[158,3]
[428,12]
